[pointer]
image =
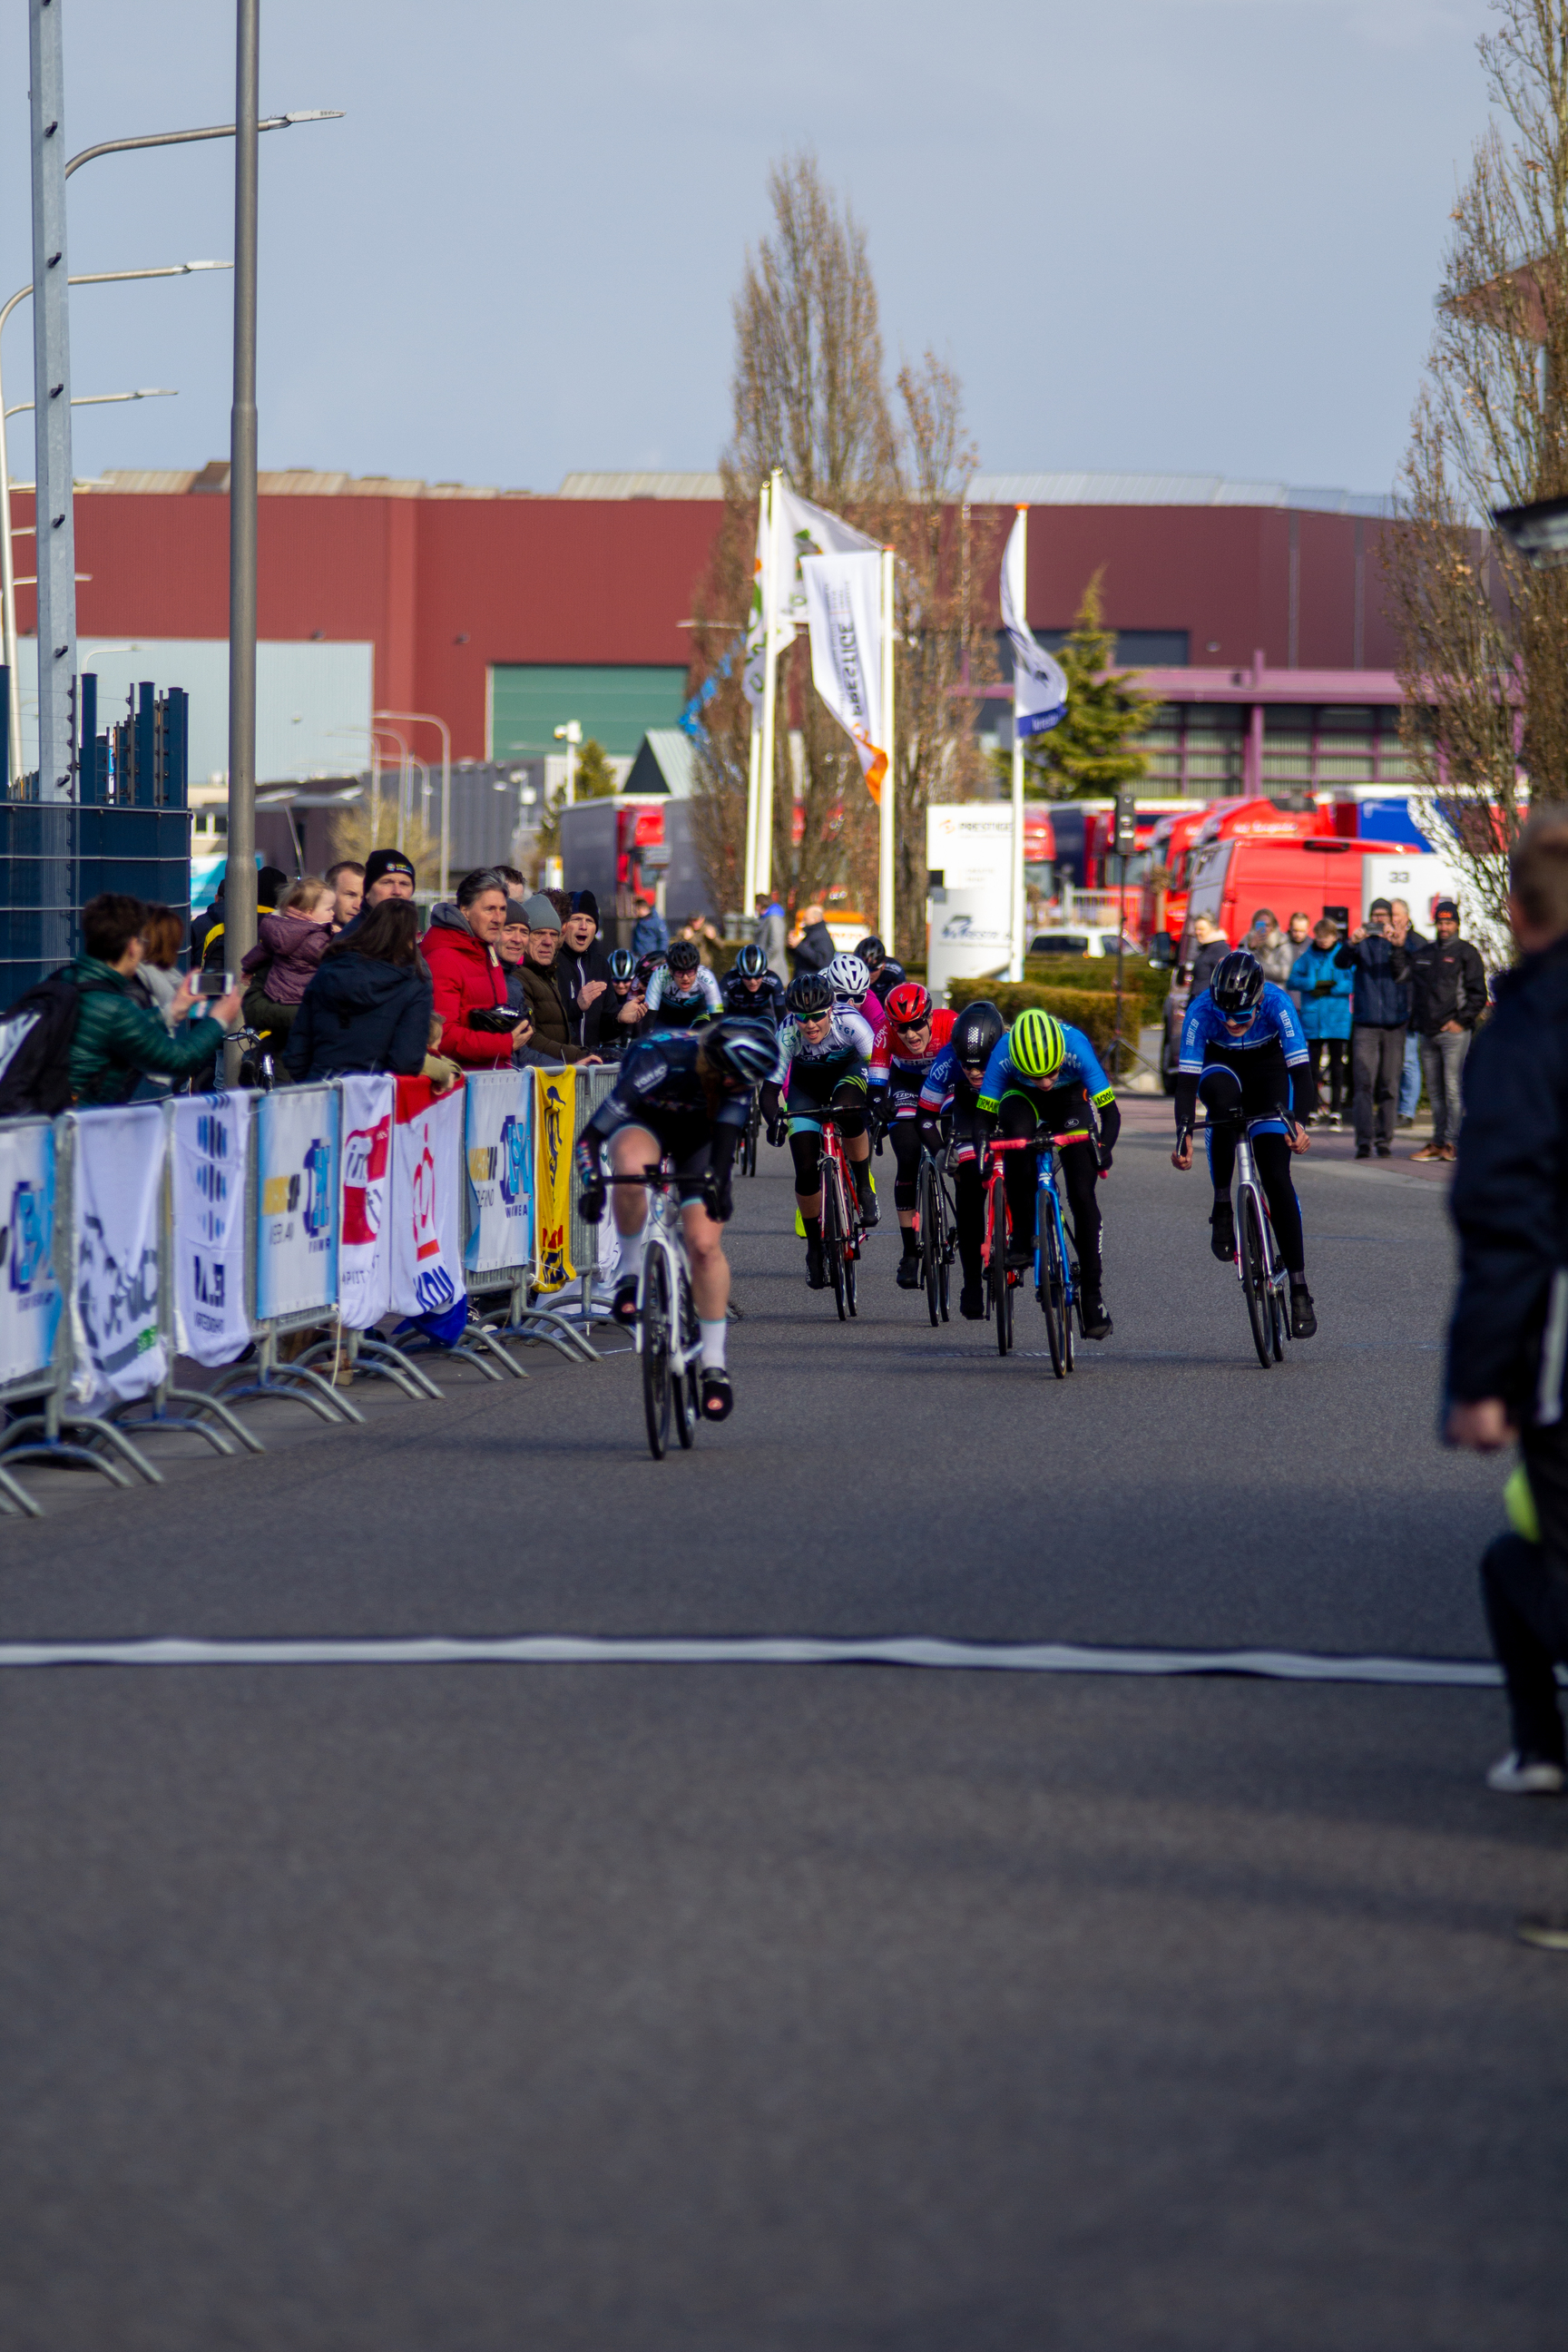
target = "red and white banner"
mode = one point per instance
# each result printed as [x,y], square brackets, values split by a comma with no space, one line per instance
[427,1221]
[364,1236]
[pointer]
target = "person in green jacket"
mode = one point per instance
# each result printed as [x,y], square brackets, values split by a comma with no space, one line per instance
[116,1038]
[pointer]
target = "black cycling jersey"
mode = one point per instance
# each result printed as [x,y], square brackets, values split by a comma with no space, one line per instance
[766,1003]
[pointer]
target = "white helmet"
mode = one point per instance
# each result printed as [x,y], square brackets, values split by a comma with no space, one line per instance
[848,976]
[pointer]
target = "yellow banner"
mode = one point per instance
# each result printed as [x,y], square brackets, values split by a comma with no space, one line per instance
[555,1110]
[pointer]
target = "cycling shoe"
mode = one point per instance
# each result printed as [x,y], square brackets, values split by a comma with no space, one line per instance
[816,1267]
[624,1306]
[1303,1321]
[1097,1323]
[907,1276]
[1222,1237]
[717,1396]
[972,1302]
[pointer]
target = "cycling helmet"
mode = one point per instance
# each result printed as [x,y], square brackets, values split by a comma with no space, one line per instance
[750,963]
[648,964]
[623,964]
[847,976]
[976,1031]
[809,996]
[742,1049]
[1039,1044]
[908,1005]
[684,956]
[1237,986]
[871,952]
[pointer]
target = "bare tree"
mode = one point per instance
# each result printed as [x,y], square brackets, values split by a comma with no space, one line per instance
[1484,662]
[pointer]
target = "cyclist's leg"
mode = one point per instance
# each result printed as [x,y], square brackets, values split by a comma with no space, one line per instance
[904,1139]
[1080,1182]
[1219,1091]
[1019,1115]
[807,1094]
[632,1149]
[1272,1153]
[694,1157]
[969,1219]
[849,1101]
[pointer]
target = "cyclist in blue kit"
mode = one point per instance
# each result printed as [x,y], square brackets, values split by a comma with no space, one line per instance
[1244,1058]
[1044,1075]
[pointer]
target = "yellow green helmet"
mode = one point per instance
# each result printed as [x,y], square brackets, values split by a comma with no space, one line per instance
[1038,1043]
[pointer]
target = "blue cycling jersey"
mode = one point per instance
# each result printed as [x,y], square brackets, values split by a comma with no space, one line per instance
[1080,1067]
[1274,1021]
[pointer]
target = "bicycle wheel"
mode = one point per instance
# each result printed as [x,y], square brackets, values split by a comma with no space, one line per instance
[851,1267]
[1053,1291]
[656,1339]
[684,1386]
[948,1241]
[1255,1279]
[927,1217]
[833,1233]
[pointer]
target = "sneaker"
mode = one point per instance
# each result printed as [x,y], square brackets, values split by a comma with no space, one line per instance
[624,1306]
[1429,1152]
[1096,1324]
[1518,1775]
[717,1396]
[1222,1232]
[1448,1152]
[1406,1119]
[972,1302]
[907,1276]
[816,1267]
[1364,1151]
[1303,1320]
[1384,1151]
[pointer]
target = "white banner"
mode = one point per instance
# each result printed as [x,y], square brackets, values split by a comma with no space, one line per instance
[1039,682]
[500,1197]
[297,1222]
[117,1185]
[211,1133]
[843,610]
[426,1219]
[365,1233]
[29,1291]
[778,590]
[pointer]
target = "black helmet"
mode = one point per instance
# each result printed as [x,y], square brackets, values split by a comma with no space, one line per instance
[1238,983]
[623,964]
[742,1049]
[976,1031]
[683,956]
[750,963]
[871,951]
[648,964]
[809,996]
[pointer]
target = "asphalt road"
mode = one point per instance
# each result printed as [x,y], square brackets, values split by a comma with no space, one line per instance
[830,2009]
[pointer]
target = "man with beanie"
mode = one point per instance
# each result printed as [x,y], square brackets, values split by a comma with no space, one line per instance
[1379,1011]
[583,969]
[387,875]
[554,1025]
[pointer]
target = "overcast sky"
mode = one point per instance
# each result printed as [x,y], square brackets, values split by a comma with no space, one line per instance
[1194,235]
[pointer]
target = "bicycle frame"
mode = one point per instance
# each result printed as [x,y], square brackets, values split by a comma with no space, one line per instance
[665,1333]
[1248,1194]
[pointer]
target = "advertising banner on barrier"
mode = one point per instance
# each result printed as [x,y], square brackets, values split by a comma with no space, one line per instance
[500,1187]
[592,1249]
[211,1135]
[30,1298]
[364,1230]
[117,1187]
[297,1206]
[426,1211]
[554,1131]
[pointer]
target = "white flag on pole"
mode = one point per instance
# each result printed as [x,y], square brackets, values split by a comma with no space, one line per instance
[778,603]
[1039,683]
[843,598]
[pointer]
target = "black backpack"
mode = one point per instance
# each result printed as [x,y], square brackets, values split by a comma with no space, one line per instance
[34,1049]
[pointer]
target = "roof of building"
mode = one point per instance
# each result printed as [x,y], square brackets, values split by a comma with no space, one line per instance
[1163,490]
[669,751]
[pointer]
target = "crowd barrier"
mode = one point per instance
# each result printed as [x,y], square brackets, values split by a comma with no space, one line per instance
[232,1229]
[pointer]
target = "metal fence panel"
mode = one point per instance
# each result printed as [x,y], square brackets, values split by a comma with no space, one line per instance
[298,1133]
[31,1294]
[498,1224]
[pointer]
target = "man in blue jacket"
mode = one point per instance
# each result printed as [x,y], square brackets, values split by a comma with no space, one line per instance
[1380,1013]
[1321,990]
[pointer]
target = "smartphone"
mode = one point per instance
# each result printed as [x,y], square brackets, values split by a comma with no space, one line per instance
[214,984]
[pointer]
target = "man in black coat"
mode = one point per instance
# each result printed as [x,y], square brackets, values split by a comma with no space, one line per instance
[1379,1017]
[1448,996]
[583,969]
[1509,1338]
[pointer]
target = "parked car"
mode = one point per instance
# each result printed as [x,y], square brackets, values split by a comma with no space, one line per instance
[1083,939]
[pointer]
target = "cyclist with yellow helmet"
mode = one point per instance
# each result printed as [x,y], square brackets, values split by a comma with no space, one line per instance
[1044,1074]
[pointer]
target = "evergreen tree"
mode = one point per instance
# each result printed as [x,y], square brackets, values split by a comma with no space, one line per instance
[1088,755]
[594,781]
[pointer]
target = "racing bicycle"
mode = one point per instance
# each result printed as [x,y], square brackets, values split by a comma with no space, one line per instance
[842,1231]
[999,1280]
[938,1229]
[1055,1272]
[1264,1284]
[666,1335]
[746,1157]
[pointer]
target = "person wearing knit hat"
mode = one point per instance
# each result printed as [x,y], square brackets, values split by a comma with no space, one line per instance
[388,874]
[582,970]
[538,913]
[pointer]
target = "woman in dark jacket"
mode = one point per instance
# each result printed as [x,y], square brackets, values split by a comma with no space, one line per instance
[368,1007]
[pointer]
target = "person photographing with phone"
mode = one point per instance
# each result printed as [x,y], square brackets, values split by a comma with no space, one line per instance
[116,1040]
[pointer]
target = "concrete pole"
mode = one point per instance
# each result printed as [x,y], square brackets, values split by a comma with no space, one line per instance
[56,518]
[239,887]
[1015,965]
[772,646]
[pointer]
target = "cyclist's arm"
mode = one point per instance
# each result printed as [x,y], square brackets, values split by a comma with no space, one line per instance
[708,989]
[988,1102]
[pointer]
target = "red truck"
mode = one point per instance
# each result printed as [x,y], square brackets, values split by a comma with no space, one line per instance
[1182,842]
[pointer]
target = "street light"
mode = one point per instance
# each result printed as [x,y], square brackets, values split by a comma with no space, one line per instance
[571,735]
[428,719]
[216,130]
[8,578]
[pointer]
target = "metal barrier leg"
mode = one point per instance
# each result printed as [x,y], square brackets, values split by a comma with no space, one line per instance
[296,1380]
[19,1447]
[368,1352]
[16,1498]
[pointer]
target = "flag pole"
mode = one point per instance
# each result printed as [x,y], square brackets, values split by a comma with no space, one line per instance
[764,862]
[887,812]
[1016,969]
[754,781]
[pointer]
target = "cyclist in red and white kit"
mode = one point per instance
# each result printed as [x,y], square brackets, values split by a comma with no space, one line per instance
[908,1041]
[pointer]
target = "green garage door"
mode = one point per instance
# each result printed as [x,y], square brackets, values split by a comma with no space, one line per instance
[616,704]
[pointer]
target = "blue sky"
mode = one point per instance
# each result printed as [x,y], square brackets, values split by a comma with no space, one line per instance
[1194,235]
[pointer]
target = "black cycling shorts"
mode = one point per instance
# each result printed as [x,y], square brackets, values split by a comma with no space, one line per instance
[685,1137]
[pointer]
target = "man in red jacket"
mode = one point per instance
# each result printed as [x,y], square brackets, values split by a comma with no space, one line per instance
[469,980]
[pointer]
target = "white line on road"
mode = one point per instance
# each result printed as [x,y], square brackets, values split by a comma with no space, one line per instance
[571,1649]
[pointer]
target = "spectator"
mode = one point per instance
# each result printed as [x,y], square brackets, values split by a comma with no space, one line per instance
[1210,948]
[1403,936]
[368,1007]
[811,942]
[468,976]
[1380,1007]
[282,964]
[562,902]
[443,1075]
[516,886]
[207,930]
[551,1025]
[116,1040]
[388,875]
[1269,943]
[346,882]
[156,983]
[583,968]
[650,932]
[705,934]
[1447,997]
[1298,931]
[1321,988]
[511,947]
[1505,1367]
[772,932]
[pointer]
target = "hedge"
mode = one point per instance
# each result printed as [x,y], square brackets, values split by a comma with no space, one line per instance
[1092,1010]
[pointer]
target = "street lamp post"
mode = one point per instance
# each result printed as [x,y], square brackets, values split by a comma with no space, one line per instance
[571,735]
[240,868]
[428,719]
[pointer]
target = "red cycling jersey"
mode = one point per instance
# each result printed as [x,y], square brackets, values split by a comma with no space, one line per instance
[893,1063]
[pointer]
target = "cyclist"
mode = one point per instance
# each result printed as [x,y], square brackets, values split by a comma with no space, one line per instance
[952,1093]
[907,1044]
[823,1051]
[885,973]
[751,988]
[683,989]
[625,1005]
[1044,1074]
[686,1097]
[851,981]
[1244,1058]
